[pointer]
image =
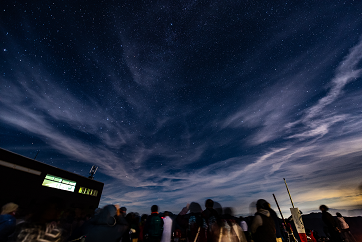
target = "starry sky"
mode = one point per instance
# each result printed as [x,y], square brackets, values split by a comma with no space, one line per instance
[180,101]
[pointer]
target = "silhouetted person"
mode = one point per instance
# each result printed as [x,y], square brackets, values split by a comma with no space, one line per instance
[212,221]
[123,211]
[330,222]
[277,223]
[230,230]
[7,220]
[167,228]
[263,227]
[106,226]
[43,223]
[141,228]
[192,222]
[243,224]
[245,227]
[127,235]
[348,237]
[154,226]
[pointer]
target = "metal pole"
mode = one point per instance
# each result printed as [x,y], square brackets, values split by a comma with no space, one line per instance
[280,211]
[288,192]
[285,223]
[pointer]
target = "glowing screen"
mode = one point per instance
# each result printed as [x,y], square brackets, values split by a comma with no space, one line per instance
[59,183]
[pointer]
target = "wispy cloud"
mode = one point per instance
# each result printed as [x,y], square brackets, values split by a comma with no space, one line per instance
[151,148]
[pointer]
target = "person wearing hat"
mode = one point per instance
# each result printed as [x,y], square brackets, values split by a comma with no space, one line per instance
[123,211]
[7,220]
[263,227]
[123,215]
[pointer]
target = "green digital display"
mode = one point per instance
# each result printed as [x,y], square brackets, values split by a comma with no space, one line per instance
[88,191]
[59,183]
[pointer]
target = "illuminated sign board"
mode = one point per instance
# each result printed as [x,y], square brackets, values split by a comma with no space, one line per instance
[59,183]
[88,191]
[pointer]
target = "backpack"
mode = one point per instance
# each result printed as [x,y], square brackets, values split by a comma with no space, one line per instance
[156,227]
[211,224]
[192,223]
[194,226]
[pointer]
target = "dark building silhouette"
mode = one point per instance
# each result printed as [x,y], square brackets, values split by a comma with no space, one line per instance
[24,181]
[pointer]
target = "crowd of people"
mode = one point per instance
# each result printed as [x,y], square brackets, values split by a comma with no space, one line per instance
[338,230]
[50,222]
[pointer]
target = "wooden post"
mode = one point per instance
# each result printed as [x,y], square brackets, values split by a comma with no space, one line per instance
[288,192]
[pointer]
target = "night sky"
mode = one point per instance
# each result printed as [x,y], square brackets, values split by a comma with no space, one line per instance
[180,101]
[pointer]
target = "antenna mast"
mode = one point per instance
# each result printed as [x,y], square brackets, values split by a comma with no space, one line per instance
[36,154]
[92,171]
